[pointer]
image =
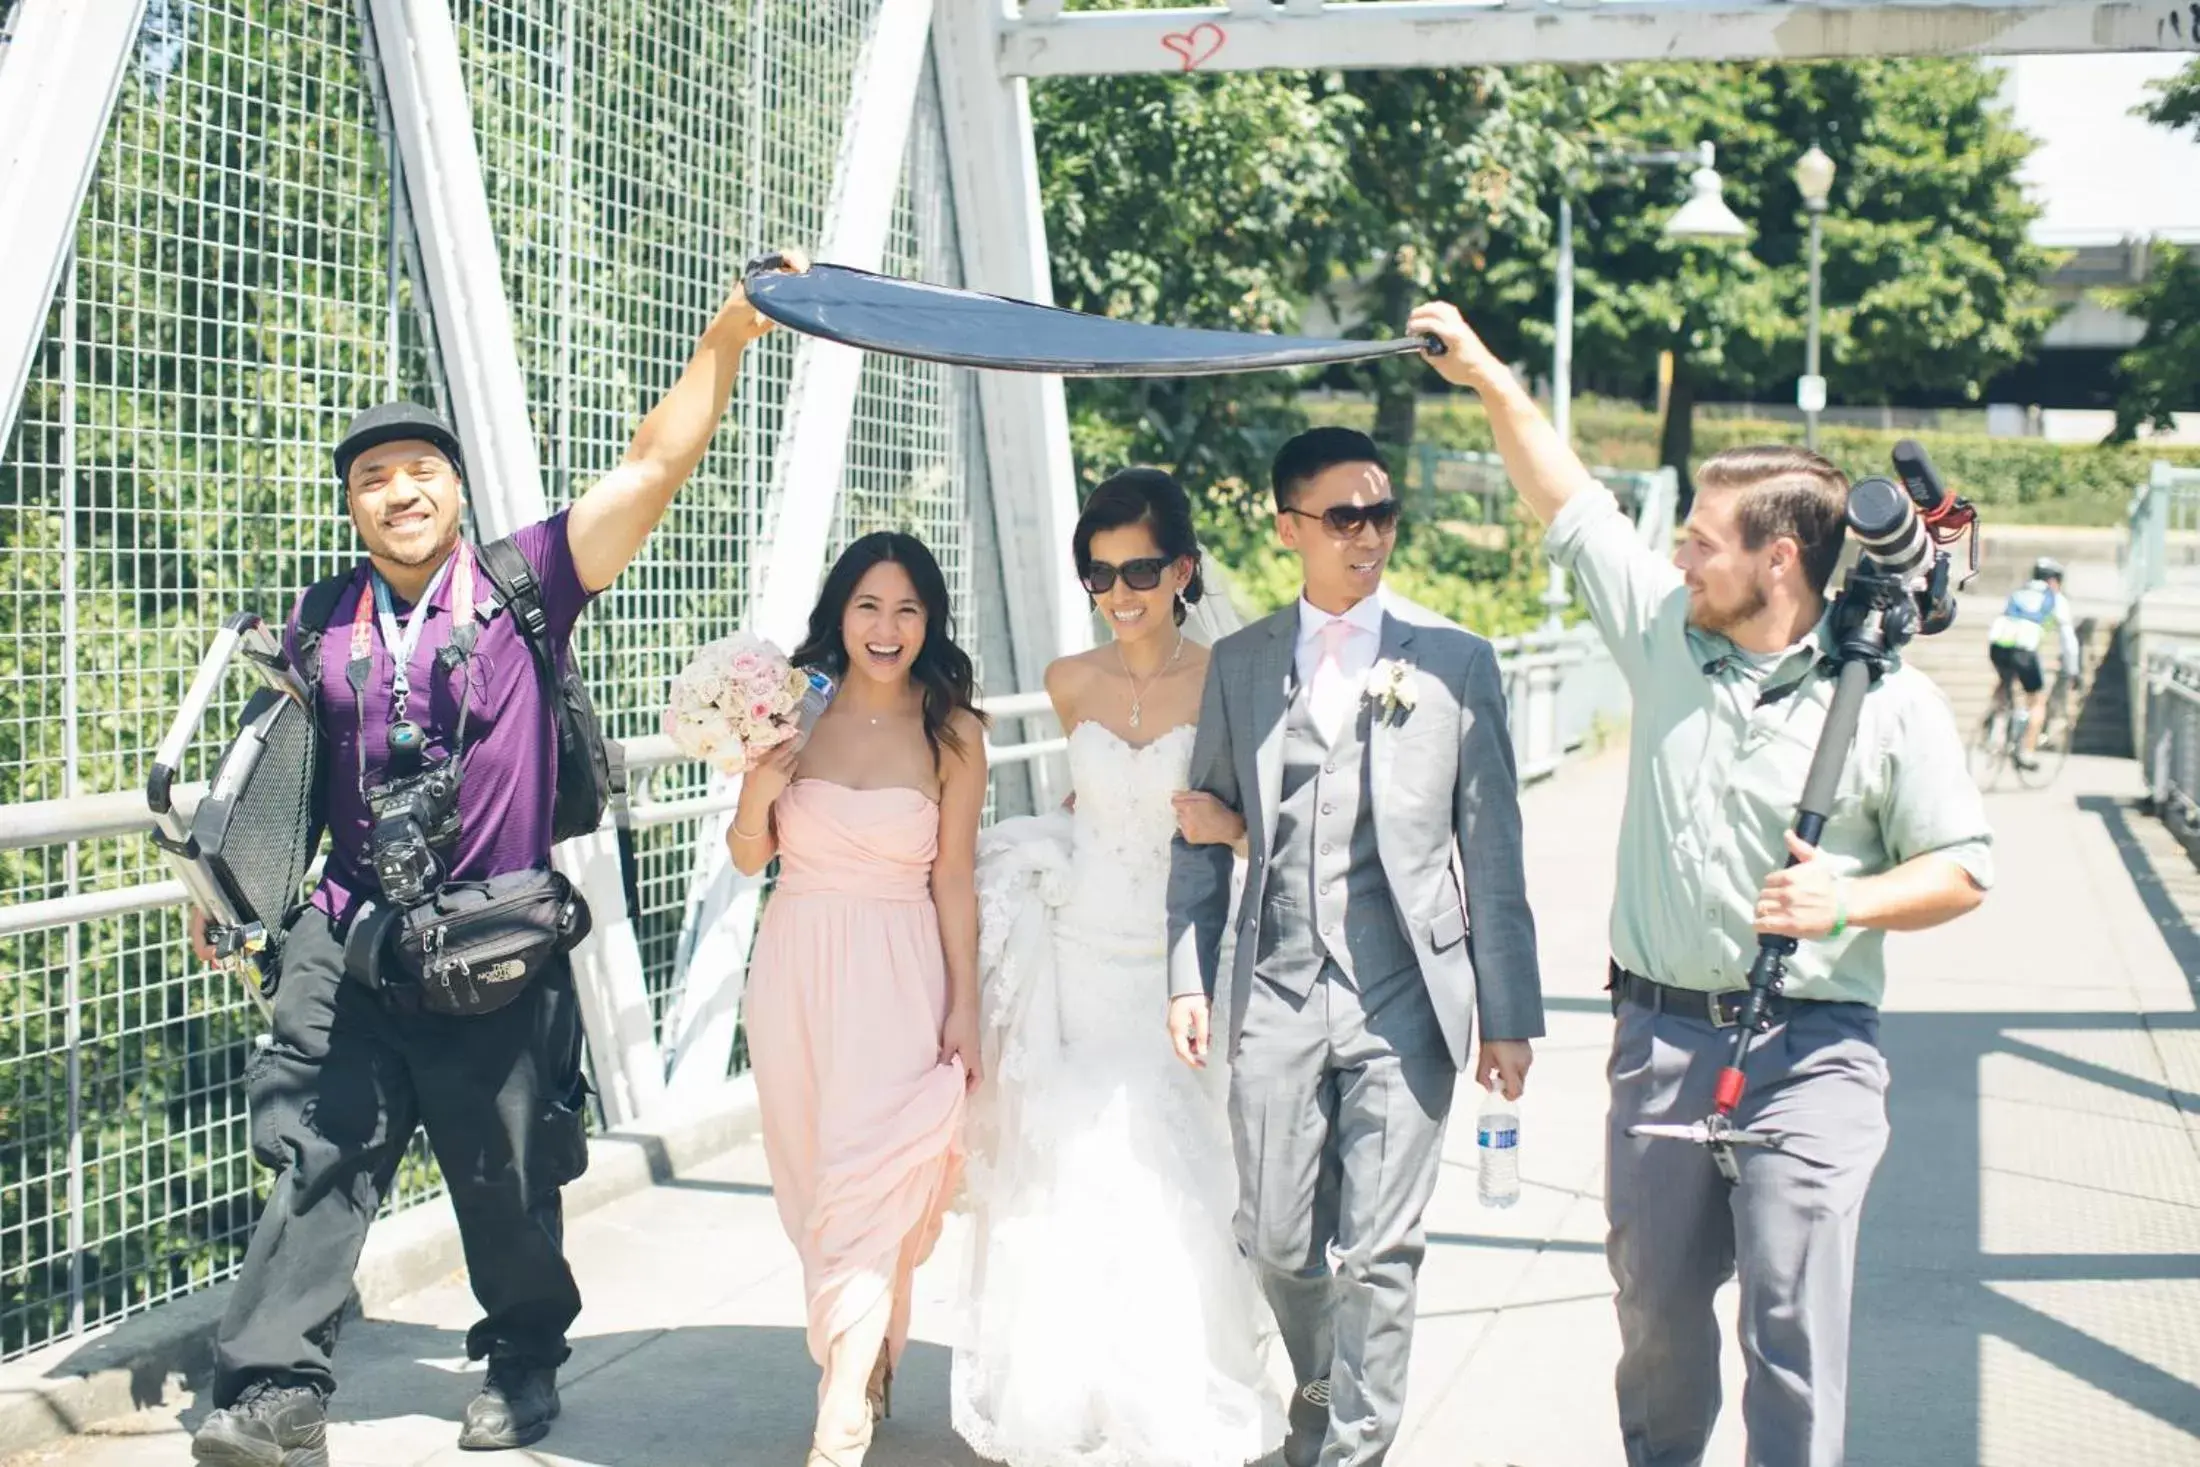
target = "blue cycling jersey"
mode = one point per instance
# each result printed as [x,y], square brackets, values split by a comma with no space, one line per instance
[2025,616]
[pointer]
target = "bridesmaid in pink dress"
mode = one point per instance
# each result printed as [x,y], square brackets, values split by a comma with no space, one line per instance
[863,990]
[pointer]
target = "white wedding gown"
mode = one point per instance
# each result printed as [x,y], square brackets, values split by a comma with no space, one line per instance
[1109,1319]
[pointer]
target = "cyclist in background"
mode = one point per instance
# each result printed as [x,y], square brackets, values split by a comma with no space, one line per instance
[2015,644]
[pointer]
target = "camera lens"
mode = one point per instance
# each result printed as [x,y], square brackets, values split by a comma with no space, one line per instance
[1885,523]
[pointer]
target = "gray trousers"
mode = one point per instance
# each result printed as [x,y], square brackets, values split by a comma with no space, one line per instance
[1337,1106]
[1679,1230]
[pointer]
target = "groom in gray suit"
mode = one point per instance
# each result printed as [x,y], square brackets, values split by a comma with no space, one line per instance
[1364,742]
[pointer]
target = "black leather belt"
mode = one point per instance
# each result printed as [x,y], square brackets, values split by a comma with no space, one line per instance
[1721,1009]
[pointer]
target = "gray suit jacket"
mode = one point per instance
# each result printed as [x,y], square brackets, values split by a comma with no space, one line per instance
[1446,798]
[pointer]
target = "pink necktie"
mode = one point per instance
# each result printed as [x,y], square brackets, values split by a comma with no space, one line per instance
[1330,692]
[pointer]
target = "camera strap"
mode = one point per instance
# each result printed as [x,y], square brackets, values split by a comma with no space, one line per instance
[376,603]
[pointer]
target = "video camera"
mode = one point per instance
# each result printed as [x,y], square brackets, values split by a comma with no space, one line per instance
[1901,573]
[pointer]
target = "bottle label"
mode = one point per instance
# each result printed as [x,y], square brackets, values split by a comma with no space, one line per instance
[1504,1140]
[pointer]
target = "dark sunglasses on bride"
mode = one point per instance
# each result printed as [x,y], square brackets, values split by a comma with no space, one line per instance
[1139,575]
[1344,520]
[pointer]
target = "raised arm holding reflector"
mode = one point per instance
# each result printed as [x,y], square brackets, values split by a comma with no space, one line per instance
[967,329]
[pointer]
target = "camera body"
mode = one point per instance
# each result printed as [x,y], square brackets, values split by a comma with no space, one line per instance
[415,823]
[1899,527]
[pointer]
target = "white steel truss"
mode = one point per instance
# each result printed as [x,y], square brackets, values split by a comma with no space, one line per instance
[1251,35]
[807,484]
[417,45]
[62,68]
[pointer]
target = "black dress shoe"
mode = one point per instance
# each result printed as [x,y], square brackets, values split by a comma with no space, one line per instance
[268,1426]
[515,1408]
[1309,1419]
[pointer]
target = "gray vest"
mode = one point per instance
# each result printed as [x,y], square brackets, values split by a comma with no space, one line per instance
[1326,895]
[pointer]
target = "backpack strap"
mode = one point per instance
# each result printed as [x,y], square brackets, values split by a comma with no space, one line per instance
[315,609]
[516,587]
[591,769]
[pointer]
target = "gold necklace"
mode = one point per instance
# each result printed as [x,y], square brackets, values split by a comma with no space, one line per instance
[1138,694]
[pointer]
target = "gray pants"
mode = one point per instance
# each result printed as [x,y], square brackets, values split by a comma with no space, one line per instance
[1679,1230]
[1337,1105]
[335,1100]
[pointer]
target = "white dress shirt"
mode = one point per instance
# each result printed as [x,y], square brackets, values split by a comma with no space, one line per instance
[1333,688]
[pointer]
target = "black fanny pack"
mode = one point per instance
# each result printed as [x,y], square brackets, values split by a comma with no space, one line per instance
[472,947]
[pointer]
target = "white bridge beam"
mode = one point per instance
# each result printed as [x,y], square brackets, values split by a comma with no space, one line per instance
[63,69]
[995,177]
[813,457]
[416,44]
[1252,35]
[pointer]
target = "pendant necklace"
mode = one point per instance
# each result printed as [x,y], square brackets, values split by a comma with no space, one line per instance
[1138,694]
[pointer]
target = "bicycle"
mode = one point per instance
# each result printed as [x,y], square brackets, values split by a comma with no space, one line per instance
[2001,735]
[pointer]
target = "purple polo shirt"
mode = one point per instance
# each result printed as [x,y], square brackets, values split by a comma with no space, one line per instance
[509,778]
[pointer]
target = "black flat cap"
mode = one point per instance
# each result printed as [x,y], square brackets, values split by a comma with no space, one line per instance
[392,422]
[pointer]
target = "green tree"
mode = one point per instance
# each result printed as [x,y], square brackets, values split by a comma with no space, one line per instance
[2177,103]
[1930,285]
[1188,201]
[1444,162]
[2161,374]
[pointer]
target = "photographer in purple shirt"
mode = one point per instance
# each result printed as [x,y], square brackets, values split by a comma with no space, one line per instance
[419,667]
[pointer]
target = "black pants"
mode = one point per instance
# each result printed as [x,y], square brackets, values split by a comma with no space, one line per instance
[334,1102]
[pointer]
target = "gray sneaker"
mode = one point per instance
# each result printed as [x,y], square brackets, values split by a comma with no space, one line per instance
[267,1426]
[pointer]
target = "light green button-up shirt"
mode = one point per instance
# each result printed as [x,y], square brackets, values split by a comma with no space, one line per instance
[1716,769]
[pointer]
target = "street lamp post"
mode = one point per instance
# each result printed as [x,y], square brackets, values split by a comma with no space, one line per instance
[1704,216]
[1814,179]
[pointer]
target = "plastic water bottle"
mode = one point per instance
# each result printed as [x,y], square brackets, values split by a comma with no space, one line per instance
[1497,1141]
[815,700]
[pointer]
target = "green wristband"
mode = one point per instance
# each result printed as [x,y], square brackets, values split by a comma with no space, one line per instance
[1840,909]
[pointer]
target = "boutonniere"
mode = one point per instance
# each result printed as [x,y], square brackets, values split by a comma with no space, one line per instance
[1390,685]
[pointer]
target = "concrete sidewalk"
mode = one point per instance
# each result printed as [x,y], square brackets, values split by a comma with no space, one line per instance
[2030,1286]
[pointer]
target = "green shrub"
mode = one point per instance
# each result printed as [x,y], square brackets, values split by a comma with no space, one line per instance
[1496,591]
[2015,480]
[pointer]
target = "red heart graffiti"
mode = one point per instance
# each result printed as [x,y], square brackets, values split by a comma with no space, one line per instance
[1196,46]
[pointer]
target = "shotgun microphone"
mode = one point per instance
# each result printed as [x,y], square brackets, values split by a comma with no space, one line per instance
[1919,480]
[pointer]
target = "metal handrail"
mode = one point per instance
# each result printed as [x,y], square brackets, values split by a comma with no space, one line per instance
[2172,727]
[2167,504]
[124,812]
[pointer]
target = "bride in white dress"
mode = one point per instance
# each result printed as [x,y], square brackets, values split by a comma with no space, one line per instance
[1110,1320]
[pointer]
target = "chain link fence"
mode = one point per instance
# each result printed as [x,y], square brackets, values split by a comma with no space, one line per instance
[240,286]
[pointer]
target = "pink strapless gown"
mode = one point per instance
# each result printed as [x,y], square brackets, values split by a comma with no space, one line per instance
[847,995]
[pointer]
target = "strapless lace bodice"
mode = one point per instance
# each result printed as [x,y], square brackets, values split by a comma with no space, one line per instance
[1123,824]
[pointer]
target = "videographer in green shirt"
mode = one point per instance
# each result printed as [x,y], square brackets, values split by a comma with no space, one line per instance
[1725,653]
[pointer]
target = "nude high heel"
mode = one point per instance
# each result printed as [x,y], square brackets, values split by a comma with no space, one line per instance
[880,1392]
[849,1454]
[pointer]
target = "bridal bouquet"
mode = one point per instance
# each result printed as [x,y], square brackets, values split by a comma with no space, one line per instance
[740,699]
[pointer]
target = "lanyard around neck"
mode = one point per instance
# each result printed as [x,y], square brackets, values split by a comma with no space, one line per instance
[403,638]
